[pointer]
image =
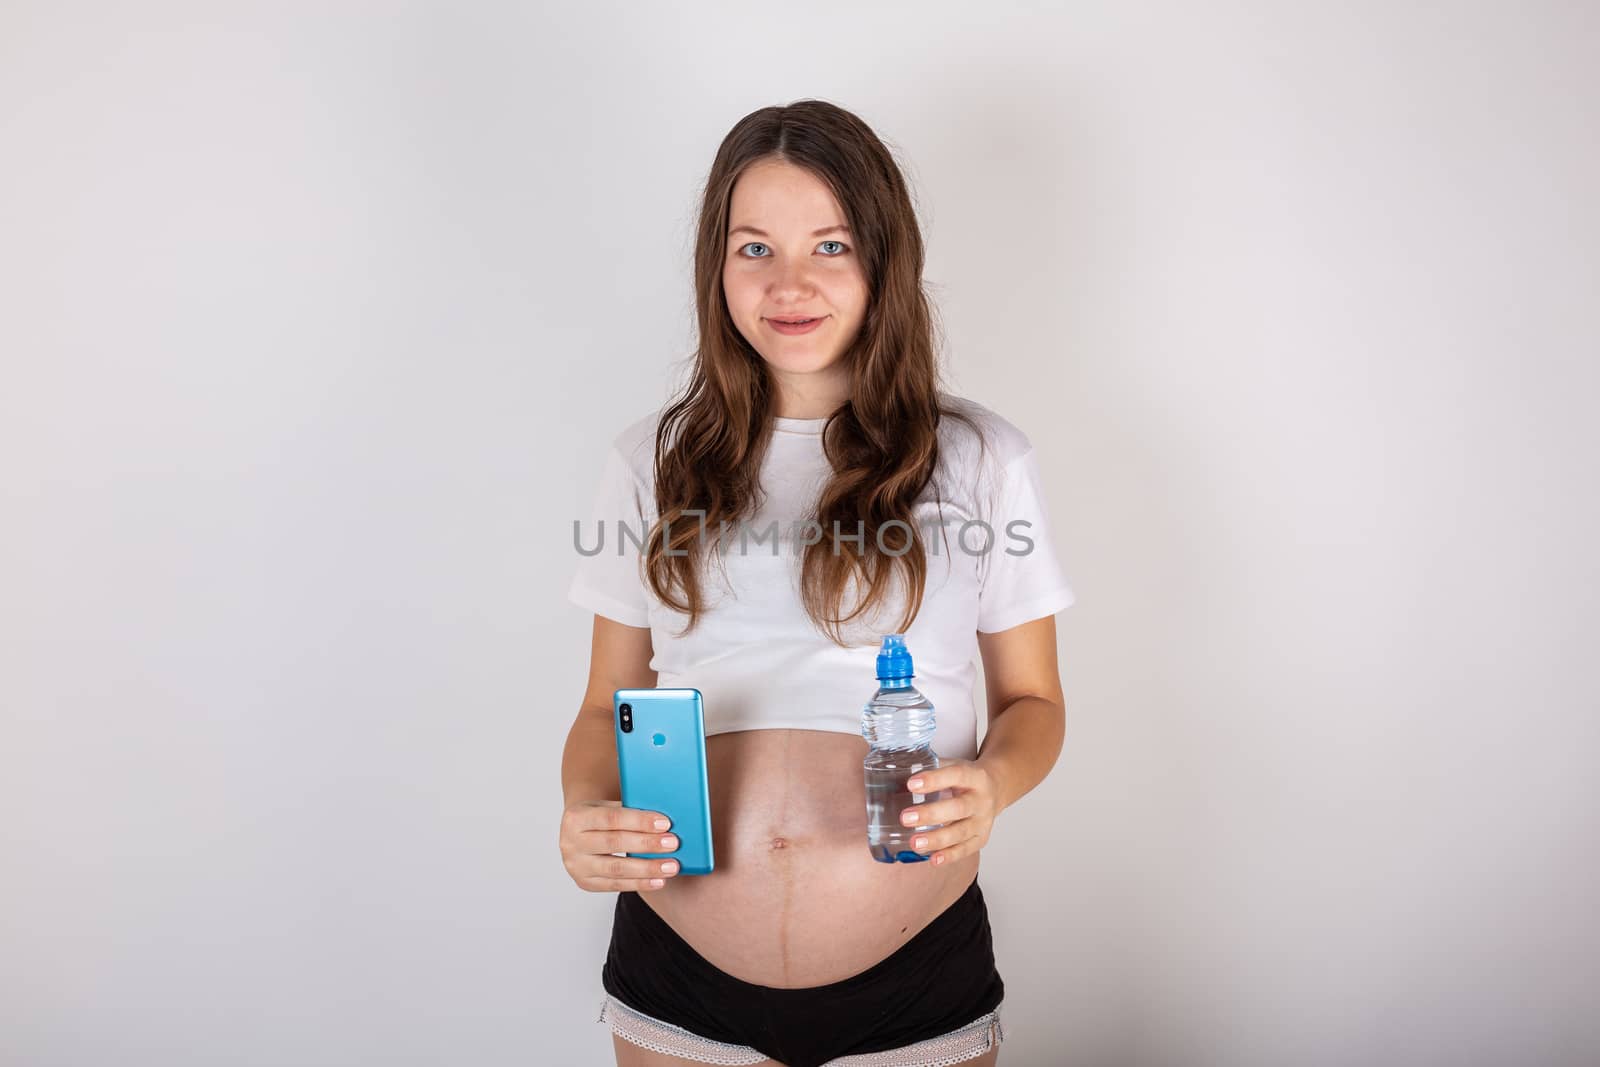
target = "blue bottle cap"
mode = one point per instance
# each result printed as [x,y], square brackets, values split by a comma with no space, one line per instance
[894,660]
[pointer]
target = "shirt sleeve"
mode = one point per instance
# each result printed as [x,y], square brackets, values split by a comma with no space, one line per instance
[610,581]
[1022,577]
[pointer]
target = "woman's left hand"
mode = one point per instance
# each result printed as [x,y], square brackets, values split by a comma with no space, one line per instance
[967,814]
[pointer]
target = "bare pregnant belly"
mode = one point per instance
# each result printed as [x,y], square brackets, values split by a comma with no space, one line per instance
[796,900]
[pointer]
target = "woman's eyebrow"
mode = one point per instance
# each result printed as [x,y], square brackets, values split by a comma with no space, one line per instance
[816,233]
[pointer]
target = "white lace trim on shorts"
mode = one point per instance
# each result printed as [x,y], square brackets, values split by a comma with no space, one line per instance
[973,1039]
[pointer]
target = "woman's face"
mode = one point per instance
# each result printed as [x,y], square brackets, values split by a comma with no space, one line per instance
[790,256]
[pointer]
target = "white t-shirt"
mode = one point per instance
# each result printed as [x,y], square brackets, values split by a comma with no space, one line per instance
[756,657]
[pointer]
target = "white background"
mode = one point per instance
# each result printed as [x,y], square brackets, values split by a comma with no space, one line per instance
[315,319]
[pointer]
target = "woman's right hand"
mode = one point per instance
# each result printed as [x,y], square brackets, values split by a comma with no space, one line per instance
[593,829]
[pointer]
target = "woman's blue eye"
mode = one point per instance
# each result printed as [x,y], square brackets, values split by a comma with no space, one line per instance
[757,244]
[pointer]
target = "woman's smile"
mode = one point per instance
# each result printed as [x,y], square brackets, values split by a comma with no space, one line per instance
[795,327]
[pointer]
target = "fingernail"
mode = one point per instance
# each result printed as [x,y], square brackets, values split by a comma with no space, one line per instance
[669,867]
[658,882]
[662,824]
[916,784]
[920,843]
[669,842]
[909,818]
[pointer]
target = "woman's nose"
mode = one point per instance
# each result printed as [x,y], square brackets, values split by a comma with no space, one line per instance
[793,277]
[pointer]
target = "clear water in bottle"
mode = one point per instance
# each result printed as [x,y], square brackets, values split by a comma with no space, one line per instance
[898,722]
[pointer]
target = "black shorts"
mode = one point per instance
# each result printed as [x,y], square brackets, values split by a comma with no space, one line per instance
[940,981]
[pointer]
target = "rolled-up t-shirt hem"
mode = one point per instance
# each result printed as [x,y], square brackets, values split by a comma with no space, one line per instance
[1036,608]
[602,604]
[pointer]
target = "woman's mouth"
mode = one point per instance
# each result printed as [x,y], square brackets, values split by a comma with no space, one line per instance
[795,326]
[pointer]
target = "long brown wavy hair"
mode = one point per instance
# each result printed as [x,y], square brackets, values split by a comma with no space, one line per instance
[882,443]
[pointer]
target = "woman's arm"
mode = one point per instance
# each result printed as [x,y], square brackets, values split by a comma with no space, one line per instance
[1027,710]
[619,658]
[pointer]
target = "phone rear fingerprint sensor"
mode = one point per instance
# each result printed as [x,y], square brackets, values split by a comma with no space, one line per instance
[659,739]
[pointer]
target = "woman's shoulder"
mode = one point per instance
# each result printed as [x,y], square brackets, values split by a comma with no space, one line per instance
[635,442]
[989,442]
[976,444]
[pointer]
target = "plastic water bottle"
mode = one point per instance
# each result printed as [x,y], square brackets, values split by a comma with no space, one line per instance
[898,723]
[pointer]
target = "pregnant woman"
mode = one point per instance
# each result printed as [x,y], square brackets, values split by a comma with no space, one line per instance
[812,489]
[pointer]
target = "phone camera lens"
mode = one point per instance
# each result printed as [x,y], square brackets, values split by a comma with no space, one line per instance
[626,711]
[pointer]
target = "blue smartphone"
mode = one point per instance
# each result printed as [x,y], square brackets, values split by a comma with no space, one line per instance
[661,765]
